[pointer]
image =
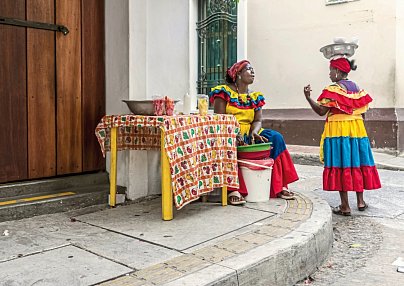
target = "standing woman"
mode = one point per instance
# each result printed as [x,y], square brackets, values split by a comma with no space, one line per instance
[236,98]
[345,147]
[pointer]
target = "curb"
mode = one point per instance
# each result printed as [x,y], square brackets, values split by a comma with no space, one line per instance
[286,250]
[306,159]
[389,167]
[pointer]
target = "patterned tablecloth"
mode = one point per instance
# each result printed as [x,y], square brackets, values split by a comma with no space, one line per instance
[201,149]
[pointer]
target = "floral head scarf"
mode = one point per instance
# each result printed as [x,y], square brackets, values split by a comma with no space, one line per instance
[234,69]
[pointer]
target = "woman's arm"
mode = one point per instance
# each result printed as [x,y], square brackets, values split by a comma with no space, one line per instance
[256,126]
[319,109]
[219,106]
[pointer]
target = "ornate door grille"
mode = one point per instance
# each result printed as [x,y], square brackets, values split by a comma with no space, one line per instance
[217,36]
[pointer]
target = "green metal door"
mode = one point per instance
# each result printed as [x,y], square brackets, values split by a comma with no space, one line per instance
[217,36]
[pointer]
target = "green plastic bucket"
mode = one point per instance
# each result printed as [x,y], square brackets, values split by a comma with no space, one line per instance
[254,147]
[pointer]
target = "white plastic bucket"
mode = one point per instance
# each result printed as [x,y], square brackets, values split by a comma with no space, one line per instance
[258,182]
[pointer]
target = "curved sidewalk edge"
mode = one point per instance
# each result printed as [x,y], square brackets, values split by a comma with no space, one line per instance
[286,250]
[285,260]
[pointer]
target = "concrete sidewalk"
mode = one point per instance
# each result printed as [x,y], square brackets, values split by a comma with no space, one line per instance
[273,243]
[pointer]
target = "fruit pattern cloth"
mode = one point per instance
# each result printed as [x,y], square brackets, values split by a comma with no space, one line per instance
[201,149]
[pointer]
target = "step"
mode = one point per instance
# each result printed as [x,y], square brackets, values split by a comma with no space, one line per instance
[67,199]
[49,185]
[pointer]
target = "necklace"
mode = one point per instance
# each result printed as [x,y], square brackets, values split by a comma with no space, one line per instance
[238,93]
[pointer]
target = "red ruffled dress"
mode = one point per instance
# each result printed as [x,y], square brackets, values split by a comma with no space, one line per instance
[345,147]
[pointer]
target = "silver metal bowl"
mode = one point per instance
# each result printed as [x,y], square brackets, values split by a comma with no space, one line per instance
[345,49]
[142,107]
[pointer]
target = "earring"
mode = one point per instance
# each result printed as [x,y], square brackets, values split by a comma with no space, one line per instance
[239,77]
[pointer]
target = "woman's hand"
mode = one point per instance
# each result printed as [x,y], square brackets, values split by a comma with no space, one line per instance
[256,126]
[307,90]
[256,137]
[240,140]
[319,109]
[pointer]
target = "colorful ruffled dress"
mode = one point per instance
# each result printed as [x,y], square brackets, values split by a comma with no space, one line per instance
[243,107]
[345,147]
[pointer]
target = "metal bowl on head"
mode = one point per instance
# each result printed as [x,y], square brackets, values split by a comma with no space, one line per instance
[343,49]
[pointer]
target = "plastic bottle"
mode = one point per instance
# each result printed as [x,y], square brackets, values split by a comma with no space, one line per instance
[187,103]
[179,108]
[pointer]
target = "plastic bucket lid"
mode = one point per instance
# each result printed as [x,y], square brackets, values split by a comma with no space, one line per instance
[254,147]
[255,164]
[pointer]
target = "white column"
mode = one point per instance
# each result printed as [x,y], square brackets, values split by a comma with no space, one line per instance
[158,64]
[193,50]
[116,72]
[137,48]
[242,30]
[138,160]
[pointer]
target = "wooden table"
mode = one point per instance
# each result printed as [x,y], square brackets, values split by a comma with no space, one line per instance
[198,153]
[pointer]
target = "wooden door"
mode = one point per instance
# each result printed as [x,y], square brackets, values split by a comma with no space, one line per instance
[13,95]
[41,91]
[52,89]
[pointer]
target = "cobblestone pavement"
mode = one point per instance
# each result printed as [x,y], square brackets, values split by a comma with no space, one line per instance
[367,244]
[356,239]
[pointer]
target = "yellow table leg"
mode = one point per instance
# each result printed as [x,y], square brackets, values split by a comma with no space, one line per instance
[113,167]
[166,193]
[224,196]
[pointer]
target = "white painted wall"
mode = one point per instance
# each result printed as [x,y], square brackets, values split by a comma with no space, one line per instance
[399,54]
[167,48]
[284,38]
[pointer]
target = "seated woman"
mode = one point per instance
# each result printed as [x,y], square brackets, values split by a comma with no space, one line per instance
[236,98]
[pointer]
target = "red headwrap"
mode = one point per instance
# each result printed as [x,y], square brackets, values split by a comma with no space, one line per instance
[236,68]
[342,64]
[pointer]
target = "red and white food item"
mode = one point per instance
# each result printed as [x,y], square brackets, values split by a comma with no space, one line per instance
[159,106]
[169,106]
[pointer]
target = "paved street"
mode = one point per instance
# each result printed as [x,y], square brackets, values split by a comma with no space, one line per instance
[367,244]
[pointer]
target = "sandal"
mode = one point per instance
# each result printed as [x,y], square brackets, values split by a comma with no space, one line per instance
[361,209]
[288,196]
[285,189]
[234,198]
[337,211]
